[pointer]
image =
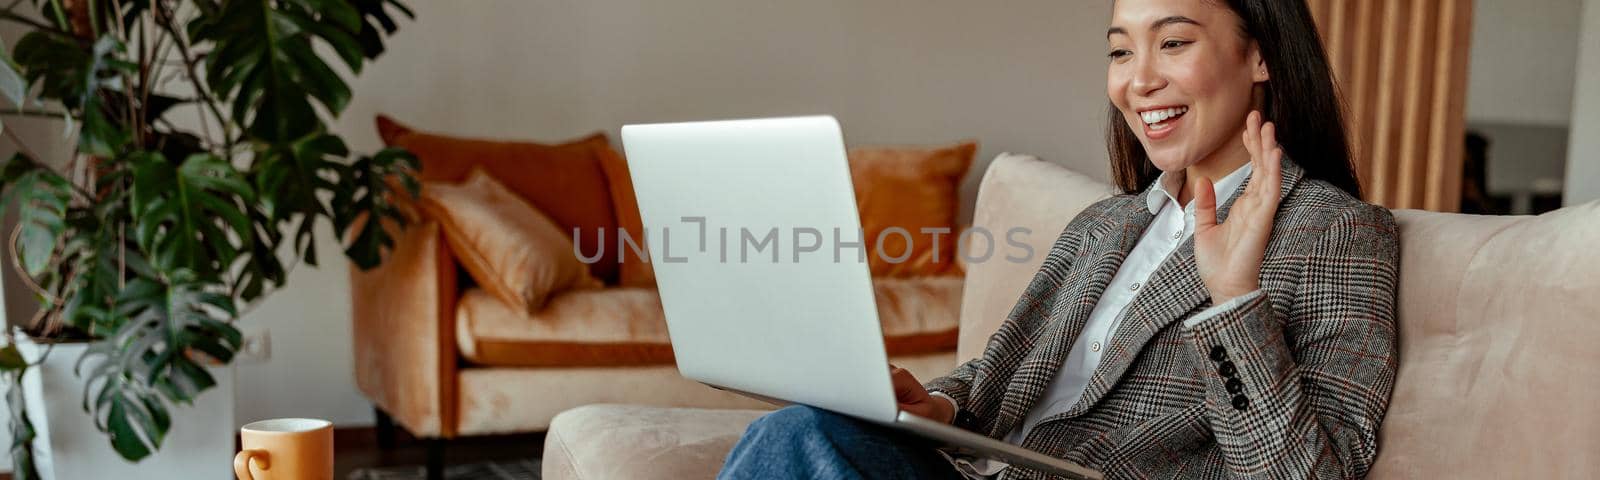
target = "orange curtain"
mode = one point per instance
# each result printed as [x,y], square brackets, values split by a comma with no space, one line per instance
[1402,67]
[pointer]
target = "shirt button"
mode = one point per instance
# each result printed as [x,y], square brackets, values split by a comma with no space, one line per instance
[1177,235]
[1094,346]
[1134,287]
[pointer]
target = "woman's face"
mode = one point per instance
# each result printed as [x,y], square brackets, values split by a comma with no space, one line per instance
[1183,77]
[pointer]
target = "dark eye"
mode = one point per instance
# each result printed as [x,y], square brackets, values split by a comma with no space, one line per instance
[1173,44]
[1118,53]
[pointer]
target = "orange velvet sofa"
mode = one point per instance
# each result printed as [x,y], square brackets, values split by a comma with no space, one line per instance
[442,358]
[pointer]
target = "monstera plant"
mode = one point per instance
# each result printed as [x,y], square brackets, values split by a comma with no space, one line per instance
[151,238]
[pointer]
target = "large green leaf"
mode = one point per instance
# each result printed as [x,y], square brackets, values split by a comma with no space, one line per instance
[152,358]
[264,63]
[57,64]
[365,194]
[75,76]
[11,359]
[291,182]
[101,255]
[12,86]
[375,17]
[184,214]
[41,197]
[124,438]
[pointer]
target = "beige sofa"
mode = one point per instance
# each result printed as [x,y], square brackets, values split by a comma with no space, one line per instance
[1500,345]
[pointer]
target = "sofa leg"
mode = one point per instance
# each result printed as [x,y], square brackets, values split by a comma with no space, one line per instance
[384,429]
[435,458]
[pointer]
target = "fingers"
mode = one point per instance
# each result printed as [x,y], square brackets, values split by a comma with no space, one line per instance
[906,387]
[1273,170]
[1266,156]
[1252,134]
[1205,204]
[1269,166]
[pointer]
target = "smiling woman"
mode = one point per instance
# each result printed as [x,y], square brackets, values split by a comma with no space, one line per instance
[1231,314]
[1220,62]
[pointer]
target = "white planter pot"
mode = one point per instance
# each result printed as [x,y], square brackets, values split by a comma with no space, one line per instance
[200,443]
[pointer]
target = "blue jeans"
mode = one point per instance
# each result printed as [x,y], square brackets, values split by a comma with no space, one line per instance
[807,442]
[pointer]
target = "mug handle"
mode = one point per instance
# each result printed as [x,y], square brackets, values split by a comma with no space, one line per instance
[241,462]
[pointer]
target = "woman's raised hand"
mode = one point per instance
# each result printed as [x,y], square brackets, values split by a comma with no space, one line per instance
[1229,254]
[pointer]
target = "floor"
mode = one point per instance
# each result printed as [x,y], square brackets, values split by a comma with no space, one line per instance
[358,448]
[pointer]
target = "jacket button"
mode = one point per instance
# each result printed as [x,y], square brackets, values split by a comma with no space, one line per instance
[1234,386]
[1218,353]
[1240,403]
[1226,369]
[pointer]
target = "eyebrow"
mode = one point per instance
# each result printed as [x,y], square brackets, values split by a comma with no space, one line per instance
[1156,25]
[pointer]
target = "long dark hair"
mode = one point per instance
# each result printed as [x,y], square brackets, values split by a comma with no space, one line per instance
[1301,99]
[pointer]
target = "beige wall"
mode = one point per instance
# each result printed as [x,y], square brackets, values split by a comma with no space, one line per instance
[1583,152]
[1520,87]
[1523,61]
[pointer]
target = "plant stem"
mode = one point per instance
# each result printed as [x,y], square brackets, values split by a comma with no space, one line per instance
[134,107]
[189,62]
[94,18]
[28,112]
[61,15]
[26,278]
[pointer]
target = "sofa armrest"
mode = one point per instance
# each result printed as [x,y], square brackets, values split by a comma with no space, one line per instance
[404,331]
[1017,192]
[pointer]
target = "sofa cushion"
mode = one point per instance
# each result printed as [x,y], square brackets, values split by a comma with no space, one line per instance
[495,400]
[626,326]
[595,327]
[597,442]
[1018,191]
[913,189]
[512,250]
[1499,375]
[564,180]
[635,264]
[919,314]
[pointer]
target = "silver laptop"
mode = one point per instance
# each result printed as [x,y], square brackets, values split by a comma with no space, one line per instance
[757,249]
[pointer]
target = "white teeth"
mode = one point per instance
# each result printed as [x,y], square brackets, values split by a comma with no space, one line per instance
[1156,116]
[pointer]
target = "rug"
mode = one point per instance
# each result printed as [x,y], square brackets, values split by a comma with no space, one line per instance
[503,470]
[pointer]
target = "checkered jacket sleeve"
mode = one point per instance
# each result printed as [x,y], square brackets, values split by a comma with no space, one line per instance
[1303,378]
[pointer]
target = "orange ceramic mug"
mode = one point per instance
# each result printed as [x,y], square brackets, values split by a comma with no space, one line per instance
[284,449]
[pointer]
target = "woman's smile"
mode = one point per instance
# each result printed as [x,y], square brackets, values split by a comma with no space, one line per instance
[1159,122]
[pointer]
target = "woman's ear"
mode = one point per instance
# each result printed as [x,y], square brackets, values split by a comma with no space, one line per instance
[1258,65]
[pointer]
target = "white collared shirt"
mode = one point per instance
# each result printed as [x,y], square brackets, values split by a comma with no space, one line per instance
[1170,228]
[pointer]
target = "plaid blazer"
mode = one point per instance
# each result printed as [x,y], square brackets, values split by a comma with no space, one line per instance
[1291,383]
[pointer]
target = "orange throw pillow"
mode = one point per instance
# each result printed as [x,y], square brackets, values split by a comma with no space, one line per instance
[636,269]
[564,181]
[913,189]
[514,252]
